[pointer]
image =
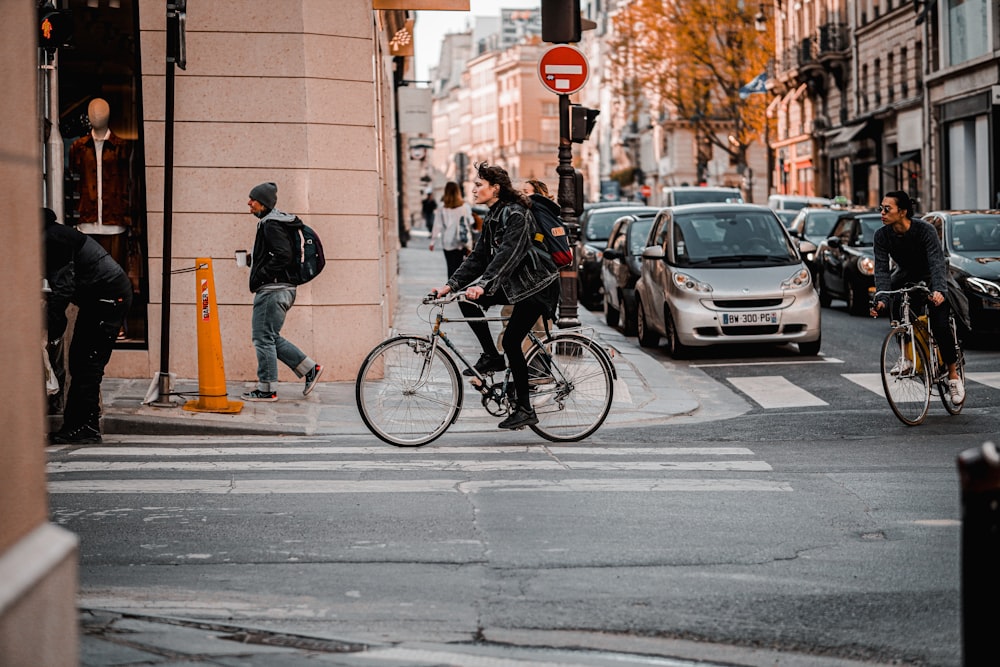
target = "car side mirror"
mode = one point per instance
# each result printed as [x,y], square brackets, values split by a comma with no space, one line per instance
[652,252]
[611,253]
[834,242]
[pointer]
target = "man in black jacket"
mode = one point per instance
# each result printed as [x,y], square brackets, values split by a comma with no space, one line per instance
[271,280]
[80,271]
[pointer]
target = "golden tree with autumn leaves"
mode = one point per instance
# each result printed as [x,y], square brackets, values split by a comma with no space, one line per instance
[688,59]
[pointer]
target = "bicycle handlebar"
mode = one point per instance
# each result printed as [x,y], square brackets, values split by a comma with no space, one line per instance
[919,287]
[433,299]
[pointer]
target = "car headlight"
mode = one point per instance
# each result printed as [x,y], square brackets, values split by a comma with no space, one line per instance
[810,256]
[800,278]
[592,254]
[690,284]
[866,266]
[987,287]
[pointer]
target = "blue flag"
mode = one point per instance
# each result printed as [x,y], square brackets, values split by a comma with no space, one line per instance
[757,85]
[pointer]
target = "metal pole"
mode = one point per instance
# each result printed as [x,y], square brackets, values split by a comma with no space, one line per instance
[567,202]
[54,145]
[165,390]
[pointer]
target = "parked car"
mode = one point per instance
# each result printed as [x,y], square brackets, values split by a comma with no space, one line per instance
[595,228]
[845,262]
[811,227]
[716,274]
[620,266]
[971,241]
[787,216]
[696,194]
[796,202]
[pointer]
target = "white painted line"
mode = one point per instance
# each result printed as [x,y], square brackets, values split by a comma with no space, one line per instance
[775,391]
[304,486]
[796,362]
[169,452]
[870,381]
[989,379]
[61,467]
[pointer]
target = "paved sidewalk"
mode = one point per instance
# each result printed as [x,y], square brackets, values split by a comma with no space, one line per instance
[645,393]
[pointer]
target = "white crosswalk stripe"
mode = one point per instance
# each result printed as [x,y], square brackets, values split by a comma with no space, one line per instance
[258,466]
[775,391]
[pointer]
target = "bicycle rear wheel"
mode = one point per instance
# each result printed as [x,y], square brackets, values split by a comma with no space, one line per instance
[408,391]
[906,376]
[572,397]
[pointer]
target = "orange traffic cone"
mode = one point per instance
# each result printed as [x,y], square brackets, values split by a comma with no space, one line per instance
[211,369]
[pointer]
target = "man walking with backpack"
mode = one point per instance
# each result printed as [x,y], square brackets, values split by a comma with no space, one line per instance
[274,268]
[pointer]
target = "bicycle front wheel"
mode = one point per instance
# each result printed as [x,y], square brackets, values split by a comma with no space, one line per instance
[906,376]
[408,391]
[572,386]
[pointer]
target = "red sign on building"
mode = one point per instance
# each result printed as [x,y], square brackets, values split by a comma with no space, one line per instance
[563,69]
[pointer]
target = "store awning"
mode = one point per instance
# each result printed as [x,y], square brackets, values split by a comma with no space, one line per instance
[901,158]
[847,134]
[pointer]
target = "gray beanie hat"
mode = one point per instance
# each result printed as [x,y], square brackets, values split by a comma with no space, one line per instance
[266,194]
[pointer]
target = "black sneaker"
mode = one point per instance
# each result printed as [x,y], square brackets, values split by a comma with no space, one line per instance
[488,363]
[519,419]
[258,395]
[311,378]
[80,435]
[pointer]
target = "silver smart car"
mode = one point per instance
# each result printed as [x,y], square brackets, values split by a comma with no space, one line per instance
[715,274]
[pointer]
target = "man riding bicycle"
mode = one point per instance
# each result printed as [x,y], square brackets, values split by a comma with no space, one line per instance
[913,244]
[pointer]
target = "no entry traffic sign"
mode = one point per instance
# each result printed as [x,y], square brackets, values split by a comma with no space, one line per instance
[563,69]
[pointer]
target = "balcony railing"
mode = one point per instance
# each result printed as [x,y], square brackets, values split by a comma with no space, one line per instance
[831,40]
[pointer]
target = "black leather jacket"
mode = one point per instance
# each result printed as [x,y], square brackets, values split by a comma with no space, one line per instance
[505,259]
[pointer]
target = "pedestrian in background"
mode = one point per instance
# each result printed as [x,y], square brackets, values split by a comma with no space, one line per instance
[507,267]
[453,227]
[533,186]
[80,271]
[427,208]
[272,265]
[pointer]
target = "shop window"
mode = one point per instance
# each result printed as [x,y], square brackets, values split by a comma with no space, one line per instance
[966,24]
[100,83]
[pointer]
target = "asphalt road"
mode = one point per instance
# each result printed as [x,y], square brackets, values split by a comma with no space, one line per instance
[823,528]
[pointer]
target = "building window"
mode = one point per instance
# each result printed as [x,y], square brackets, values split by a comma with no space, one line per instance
[904,73]
[864,87]
[877,72]
[891,78]
[966,23]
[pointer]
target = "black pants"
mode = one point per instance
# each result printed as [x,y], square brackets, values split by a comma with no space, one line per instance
[938,318]
[94,335]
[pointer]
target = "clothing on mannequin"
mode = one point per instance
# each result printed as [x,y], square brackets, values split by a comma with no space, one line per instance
[104,185]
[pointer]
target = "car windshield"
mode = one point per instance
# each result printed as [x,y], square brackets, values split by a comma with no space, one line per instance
[706,196]
[599,223]
[976,233]
[867,229]
[725,237]
[638,231]
[820,223]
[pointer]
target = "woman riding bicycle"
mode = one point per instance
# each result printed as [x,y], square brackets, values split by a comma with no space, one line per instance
[915,247]
[508,268]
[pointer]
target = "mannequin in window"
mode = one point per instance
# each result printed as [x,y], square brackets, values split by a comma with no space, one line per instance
[104,186]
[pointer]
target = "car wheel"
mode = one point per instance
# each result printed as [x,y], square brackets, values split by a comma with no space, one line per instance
[647,337]
[855,303]
[675,347]
[810,349]
[611,314]
[825,299]
[628,316]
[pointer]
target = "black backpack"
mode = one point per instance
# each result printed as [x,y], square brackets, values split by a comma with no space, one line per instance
[308,250]
[551,233]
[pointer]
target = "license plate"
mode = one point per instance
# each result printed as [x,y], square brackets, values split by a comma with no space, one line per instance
[749,319]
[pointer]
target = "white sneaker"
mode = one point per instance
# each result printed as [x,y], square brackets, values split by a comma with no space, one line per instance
[902,367]
[957,391]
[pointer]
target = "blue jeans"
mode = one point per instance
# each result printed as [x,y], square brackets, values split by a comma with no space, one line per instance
[269,309]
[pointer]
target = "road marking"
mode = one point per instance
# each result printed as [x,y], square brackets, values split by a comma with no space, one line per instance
[164,452]
[61,467]
[304,486]
[789,362]
[870,381]
[989,379]
[774,391]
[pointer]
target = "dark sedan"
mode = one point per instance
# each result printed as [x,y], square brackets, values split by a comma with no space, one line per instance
[811,227]
[620,269]
[595,228]
[972,245]
[845,262]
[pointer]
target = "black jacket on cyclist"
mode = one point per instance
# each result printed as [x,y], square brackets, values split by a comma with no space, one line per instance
[510,266]
[918,257]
